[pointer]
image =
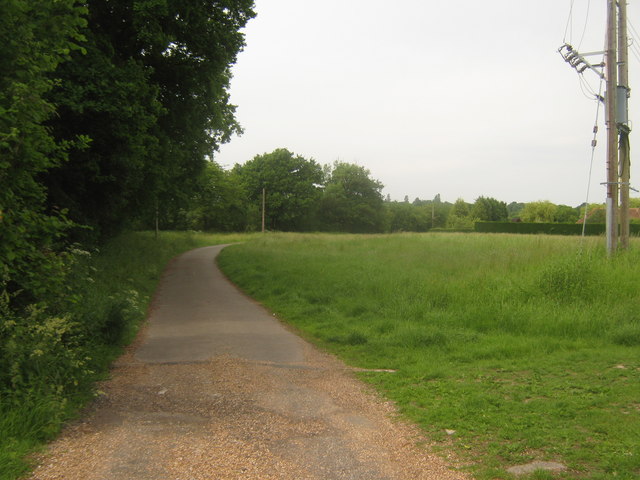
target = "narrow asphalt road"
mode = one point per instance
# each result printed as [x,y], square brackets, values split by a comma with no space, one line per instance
[216,388]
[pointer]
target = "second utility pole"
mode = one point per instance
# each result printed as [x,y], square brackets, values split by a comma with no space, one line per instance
[623,122]
[612,130]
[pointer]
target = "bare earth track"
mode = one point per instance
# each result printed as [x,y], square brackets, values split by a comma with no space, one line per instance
[215,388]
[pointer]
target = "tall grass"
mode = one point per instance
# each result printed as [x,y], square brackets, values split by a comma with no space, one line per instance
[111,289]
[527,346]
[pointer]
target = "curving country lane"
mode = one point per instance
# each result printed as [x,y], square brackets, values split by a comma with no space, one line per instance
[216,388]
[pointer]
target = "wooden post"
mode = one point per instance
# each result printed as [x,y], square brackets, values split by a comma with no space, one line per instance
[612,130]
[625,161]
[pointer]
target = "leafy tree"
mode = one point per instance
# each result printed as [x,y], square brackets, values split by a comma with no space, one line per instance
[566,214]
[293,187]
[405,217]
[461,208]
[489,210]
[460,216]
[437,210]
[36,35]
[596,213]
[151,93]
[220,202]
[352,200]
[514,209]
[539,212]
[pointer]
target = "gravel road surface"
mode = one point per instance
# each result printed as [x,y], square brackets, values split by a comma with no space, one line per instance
[216,388]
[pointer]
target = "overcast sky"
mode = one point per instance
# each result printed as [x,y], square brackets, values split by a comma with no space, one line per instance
[462,98]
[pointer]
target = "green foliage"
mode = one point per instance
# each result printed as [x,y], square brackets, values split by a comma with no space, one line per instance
[219,202]
[48,359]
[461,208]
[526,349]
[406,217]
[36,37]
[628,334]
[489,209]
[292,185]
[569,279]
[39,351]
[514,209]
[539,212]
[352,200]
[566,214]
[150,91]
[418,216]
[547,212]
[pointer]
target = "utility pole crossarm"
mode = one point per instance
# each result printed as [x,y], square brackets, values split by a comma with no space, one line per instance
[577,60]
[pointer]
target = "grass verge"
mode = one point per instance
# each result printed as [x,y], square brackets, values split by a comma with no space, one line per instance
[111,290]
[528,347]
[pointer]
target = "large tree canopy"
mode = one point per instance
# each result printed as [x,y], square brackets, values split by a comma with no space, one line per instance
[36,35]
[489,210]
[352,200]
[219,202]
[292,187]
[151,94]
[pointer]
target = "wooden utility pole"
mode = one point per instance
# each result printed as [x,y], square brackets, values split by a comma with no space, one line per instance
[616,74]
[612,130]
[623,122]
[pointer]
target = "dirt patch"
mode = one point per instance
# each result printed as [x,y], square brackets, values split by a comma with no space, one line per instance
[229,418]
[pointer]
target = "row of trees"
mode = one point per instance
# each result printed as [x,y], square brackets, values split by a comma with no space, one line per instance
[302,195]
[299,195]
[107,109]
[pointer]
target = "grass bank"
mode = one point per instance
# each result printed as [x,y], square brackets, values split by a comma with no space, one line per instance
[60,358]
[522,345]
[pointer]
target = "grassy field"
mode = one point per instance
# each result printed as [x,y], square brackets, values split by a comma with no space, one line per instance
[113,287]
[528,347]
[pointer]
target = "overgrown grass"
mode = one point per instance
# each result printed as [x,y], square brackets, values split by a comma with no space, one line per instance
[527,346]
[111,289]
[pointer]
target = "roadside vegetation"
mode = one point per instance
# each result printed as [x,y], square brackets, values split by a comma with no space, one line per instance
[110,117]
[508,348]
[49,362]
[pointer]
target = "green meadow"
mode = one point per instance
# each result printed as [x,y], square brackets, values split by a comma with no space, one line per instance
[526,347]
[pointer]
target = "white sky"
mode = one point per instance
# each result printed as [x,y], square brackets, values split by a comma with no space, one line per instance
[463,98]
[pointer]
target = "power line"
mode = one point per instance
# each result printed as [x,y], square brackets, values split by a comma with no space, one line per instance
[586,20]
[569,23]
[594,143]
[635,49]
[633,45]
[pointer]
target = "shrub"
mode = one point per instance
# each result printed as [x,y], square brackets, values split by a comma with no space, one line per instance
[39,351]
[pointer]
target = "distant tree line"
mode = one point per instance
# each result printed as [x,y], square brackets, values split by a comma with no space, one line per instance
[302,195]
[299,195]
